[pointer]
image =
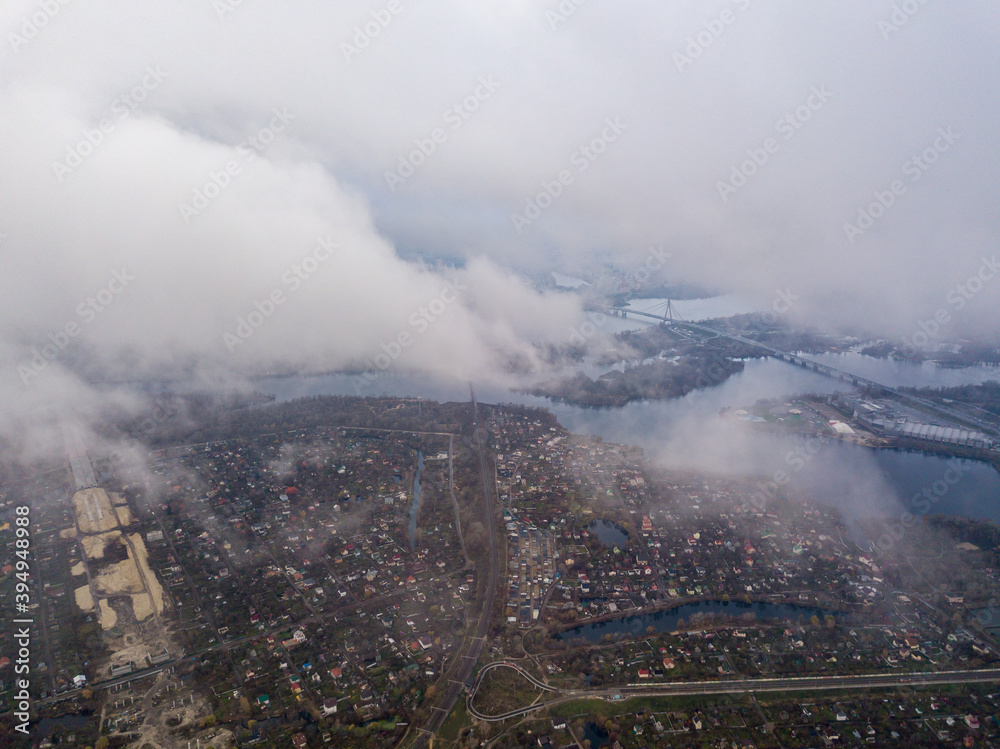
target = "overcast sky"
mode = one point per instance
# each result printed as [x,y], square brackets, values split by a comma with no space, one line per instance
[184,165]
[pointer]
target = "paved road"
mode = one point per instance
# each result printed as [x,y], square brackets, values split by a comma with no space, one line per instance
[505,664]
[747,686]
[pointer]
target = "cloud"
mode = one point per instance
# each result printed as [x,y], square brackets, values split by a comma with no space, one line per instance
[152,109]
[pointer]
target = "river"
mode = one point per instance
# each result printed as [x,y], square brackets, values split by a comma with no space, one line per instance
[688,432]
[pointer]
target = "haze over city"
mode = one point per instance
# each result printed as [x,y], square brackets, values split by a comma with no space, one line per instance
[649,269]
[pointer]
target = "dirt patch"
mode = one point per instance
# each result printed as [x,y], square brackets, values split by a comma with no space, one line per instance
[142,606]
[67,533]
[108,616]
[93,546]
[155,589]
[84,599]
[79,569]
[119,578]
[124,515]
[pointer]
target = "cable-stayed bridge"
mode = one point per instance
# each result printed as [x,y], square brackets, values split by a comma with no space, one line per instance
[670,318]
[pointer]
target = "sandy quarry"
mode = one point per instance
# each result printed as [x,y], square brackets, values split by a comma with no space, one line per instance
[131,576]
[94,513]
[67,533]
[83,598]
[79,569]
[152,583]
[142,606]
[124,515]
[93,546]
[119,578]
[108,616]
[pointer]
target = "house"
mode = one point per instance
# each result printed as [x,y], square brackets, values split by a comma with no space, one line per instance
[299,740]
[329,706]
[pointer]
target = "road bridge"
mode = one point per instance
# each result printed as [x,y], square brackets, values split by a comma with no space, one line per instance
[873,386]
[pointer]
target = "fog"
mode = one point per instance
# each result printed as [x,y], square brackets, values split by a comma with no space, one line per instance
[209,191]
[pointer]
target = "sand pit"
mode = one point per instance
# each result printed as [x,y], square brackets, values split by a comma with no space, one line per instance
[151,582]
[93,546]
[116,579]
[124,515]
[108,616]
[118,499]
[94,513]
[83,598]
[141,606]
[79,569]
[67,533]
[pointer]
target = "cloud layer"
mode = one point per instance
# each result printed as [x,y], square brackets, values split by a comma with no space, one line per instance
[176,174]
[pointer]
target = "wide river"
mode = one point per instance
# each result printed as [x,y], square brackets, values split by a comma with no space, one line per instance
[689,433]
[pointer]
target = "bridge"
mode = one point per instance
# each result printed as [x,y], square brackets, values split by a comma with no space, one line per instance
[669,318]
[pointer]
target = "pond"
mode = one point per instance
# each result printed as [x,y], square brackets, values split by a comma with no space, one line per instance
[63,722]
[666,621]
[608,533]
[595,734]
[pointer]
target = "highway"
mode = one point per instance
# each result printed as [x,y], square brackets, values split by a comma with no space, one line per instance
[734,686]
